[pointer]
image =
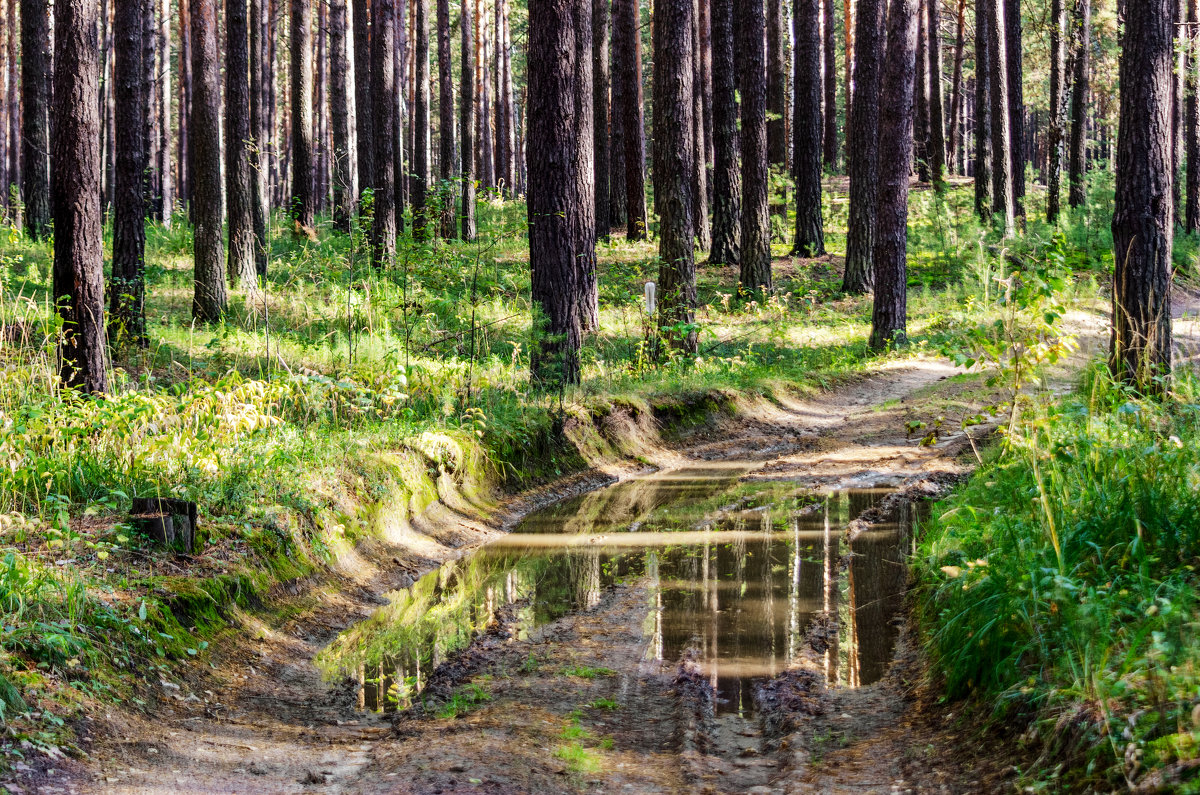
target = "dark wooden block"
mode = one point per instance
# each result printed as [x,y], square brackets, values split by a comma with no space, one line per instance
[169,522]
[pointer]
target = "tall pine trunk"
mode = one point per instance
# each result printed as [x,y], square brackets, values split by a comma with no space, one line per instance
[806,130]
[1014,63]
[364,104]
[35,116]
[1077,175]
[700,224]
[726,210]
[583,169]
[421,144]
[383,101]
[204,167]
[342,111]
[78,230]
[240,266]
[260,138]
[862,143]
[1002,159]
[983,114]
[303,200]
[1191,123]
[756,230]
[557,332]
[674,164]
[601,33]
[937,118]
[1142,217]
[888,315]
[627,58]
[446,167]
[127,323]
[955,130]
[1054,143]
[466,112]
[776,85]
[831,74]
[921,101]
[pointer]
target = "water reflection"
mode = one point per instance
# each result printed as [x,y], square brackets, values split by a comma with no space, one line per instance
[738,571]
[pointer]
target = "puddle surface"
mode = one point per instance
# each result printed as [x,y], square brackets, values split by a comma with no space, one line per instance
[735,571]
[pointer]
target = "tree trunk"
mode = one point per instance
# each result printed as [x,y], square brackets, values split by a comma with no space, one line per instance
[937,119]
[756,229]
[78,230]
[342,111]
[447,198]
[505,138]
[204,169]
[616,145]
[1058,65]
[1192,123]
[602,25]
[321,136]
[240,267]
[1002,159]
[303,201]
[806,130]
[1142,216]
[1077,177]
[700,225]
[726,224]
[1014,63]
[776,85]
[983,114]
[627,57]
[383,99]
[150,118]
[401,145]
[831,73]
[421,145]
[35,116]
[467,120]
[862,143]
[184,158]
[557,333]
[14,110]
[888,326]
[584,169]
[956,132]
[674,166]
[487,148]
[921,101]
[704,86]
[363,104]
[127,323]
[1177,101]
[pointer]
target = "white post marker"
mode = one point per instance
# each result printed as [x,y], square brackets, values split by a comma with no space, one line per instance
[651,297]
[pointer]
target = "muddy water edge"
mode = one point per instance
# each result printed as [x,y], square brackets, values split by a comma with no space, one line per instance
[661,634]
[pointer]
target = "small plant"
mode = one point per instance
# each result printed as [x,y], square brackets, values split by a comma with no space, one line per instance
[604,703]
[464,700]
[586,672]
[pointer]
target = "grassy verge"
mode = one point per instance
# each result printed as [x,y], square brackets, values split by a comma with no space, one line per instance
[338,399]
[1059,587]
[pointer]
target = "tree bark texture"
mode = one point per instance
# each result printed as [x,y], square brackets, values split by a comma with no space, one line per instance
[363,101]
[1058,65]
[342,113]
[955,130]
[830,139]
[1077,173]
[303,201]
[627,58]
[1192,122]
[127,291]
[78,230]
[862,155]
[260,135]
[983,114]
[466,112]
[937,119]
[240,264]
[1142,223]
[447,197]
[602,32]
[806,129]
[700,224]
[756,229]
[204,167]
[35,116]
[421,173]
[383,98]
[1002,160]
[888,316]
[584,169]
[921,102]
[777,143]
[1014,62]
[727,180]
[674,162]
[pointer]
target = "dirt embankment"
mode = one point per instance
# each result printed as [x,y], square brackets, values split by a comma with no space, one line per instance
[261,719]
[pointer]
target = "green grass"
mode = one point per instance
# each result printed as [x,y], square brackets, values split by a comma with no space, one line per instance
[1059,586]
[587,672]
[464,701]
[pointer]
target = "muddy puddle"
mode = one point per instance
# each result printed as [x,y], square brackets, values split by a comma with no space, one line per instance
[737,572]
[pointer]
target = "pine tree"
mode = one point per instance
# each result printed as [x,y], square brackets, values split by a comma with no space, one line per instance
[627,68]
[806,129]
[204,166]
[467,120]
[35,116]
[383,115]
[756,229]
[1077,173]
[421,173]
[240,266]
[1058,65]
[726,210]
[303,170]
[862,146]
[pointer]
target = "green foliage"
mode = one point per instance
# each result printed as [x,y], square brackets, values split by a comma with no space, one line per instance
[464,700]
[1061,581]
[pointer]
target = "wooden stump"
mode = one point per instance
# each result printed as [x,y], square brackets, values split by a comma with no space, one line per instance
[170,523]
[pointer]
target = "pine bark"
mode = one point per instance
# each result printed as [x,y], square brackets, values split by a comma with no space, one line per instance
[862,143]
[487,164]
[1142,223]
[446,165]
[14,108]
[674,164]
[363,102]
[616,145]
[602,32]
[167,179]
[1077,174]
[726,210]
[831,74]
[921,102]
[806,129]
[303,200]
[204,168]
[937,119]
[700,224]
[383,100]
[467,120]
[777,143]
[583,171]
[240,265]
[888,316]
[35,116]
[184,157]
[557,331]
[1002,158]
[983,114]
[78,231]
[1014,63]
[421,171]
[756,230]
[342,112]
[127,291]
[1054,143]
[321,136]
[955,130]
[505,104]
[627,57]
[1192,123]
[261,139]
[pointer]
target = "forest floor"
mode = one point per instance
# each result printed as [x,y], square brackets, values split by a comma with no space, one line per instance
[263,720]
